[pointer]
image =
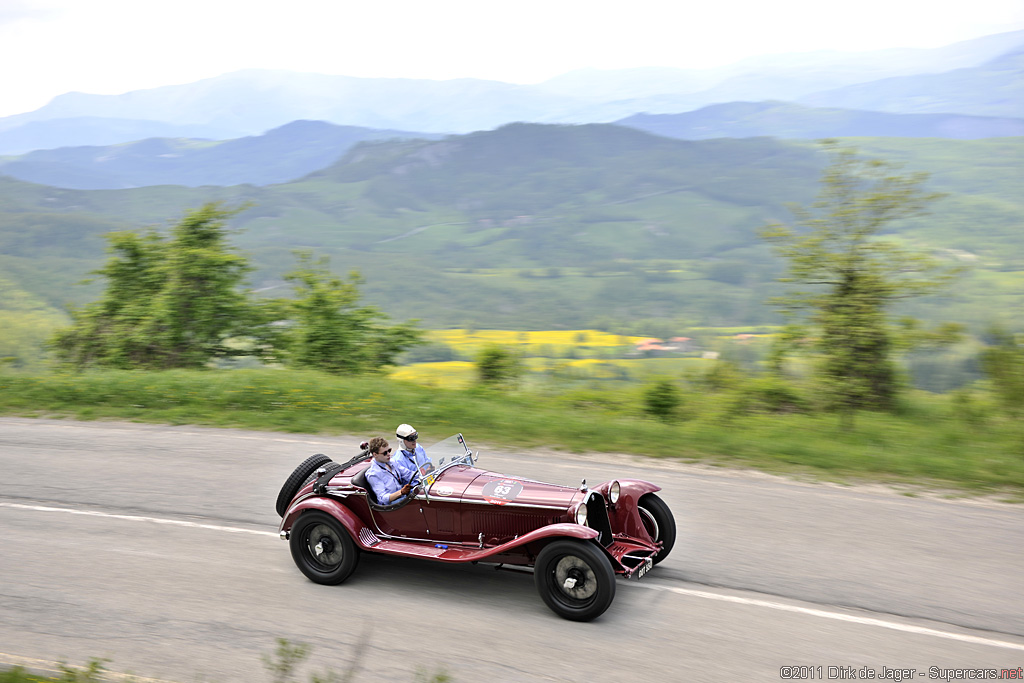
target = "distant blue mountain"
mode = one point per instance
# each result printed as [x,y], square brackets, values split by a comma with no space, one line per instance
[980,77]
[95,130]
[995,88]
[786,120]
[280,155]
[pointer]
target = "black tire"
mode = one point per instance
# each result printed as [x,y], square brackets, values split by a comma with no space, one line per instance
[322,548]
[594,588]
[299,478]
[659,522]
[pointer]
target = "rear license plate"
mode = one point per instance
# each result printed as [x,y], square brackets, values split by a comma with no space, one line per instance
[645,567]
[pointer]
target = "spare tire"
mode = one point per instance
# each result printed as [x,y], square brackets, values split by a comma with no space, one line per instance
[299,478]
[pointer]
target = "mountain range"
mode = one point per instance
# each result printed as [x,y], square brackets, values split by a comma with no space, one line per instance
[545,226]
[282,154]
[303,147]
[979,77]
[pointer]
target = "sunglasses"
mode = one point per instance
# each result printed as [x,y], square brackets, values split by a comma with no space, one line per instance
[411,437]
[384,452]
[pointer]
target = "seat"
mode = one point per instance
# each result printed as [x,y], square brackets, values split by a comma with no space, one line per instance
[359,479]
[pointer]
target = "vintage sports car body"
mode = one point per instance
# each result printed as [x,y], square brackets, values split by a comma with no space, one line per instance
[576,539]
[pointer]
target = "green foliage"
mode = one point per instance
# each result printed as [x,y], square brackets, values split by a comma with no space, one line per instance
[929,441]
[286,658]
[1003,363]
[91,673]
[177,302]
[853,274]
[498,365]
[771,393]
[661,399]
[722,375]
[330,331]
[170,302]
[670,211]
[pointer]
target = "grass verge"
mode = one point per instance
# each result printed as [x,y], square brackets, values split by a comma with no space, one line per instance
[932,441]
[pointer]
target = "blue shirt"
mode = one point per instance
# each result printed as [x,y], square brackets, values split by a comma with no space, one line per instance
[415,460]
[386,481]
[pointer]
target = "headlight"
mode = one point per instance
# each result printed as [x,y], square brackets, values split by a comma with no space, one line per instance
[581,514]
[613,493]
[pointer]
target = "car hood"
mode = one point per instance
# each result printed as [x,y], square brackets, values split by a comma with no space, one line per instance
[472,485]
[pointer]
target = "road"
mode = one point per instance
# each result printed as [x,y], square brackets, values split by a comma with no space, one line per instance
[156,547]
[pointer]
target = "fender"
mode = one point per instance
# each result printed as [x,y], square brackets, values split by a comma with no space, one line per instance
[631,487]
[623,515]
[334,508]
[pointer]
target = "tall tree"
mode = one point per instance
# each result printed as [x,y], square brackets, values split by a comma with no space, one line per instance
[331,331]
[850,274]
[170,301]
[1003,363]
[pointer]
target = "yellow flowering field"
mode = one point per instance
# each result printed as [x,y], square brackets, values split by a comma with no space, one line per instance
[454,374]
[462,374]
[469,341]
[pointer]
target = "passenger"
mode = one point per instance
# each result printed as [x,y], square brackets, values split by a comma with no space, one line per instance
[411,455]
[390,481]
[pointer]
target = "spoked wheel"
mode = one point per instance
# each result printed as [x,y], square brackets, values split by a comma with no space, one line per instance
[575,579]
[322,548]
[659,523]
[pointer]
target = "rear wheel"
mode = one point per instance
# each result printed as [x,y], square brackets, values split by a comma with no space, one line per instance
[575,579]
[322,548]
[659,523]
[299,478]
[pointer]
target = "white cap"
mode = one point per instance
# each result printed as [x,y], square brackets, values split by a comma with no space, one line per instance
[404,431]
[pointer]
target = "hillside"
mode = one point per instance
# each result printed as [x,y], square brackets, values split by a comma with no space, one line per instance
[548,227]
[277,156]
[995,88]
[96,131]
[792,121]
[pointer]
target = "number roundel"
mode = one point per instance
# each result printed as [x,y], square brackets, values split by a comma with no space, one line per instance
[501,491]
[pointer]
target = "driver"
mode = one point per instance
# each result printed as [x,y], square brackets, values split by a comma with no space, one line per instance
[411,455]
[389,479]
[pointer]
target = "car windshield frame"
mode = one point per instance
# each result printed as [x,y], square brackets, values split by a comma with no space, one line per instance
[453,451]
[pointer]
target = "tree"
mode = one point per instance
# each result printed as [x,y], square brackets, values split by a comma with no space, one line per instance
[661,399]
[170,302]
[177,301]
[498,365]
[330,331]
[1003,363]
[854,275]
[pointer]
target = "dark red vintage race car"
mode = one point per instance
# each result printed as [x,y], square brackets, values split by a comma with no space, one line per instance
[576,539]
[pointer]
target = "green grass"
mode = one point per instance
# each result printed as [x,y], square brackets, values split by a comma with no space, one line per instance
[929,442]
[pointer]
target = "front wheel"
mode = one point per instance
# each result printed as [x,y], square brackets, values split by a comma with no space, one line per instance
[322,548]
[575,579]
[659,523]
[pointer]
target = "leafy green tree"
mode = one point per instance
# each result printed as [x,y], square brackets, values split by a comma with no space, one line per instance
[661,399]
[498,365]
[853,275]
[171,301]
[331,331]
[1003,363]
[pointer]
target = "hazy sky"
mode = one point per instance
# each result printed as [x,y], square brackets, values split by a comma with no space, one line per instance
[48,47]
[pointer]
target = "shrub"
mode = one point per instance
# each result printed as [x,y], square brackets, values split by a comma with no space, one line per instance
[498,365]
[661,399]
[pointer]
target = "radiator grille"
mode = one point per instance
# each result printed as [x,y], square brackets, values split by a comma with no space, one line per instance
[498,524]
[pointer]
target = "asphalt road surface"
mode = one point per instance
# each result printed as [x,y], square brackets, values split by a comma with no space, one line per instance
[156,547]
